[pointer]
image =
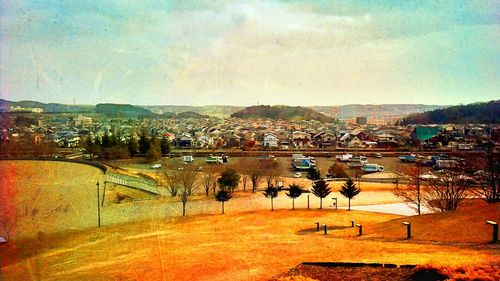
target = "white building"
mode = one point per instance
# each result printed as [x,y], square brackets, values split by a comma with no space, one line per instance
[270,140]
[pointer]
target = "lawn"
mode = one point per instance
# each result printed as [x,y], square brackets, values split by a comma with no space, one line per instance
[143,241]
[242,246]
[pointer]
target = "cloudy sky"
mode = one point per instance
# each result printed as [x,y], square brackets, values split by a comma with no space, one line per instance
[248,52]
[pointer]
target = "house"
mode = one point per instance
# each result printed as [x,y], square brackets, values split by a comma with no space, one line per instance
[384,137]
[168,136]
[300,139]
[270,140]
[204,141]
[185,140]
[324,139]
[232,140]
[83,121]
[354,141]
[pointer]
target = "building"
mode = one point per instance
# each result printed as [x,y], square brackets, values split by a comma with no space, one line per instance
[362,120]
[270,140]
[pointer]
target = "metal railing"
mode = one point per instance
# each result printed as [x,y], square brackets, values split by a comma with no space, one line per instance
[134,182]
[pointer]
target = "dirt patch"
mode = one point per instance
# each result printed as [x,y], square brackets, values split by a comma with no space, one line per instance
[326,273]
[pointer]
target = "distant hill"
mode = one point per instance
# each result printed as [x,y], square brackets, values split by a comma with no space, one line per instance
[47,107]
[281,112]
[212,110]
[171,111]
[123,110]
[338,111]
[190,114]
[485,112]
[168,115]
[373,110]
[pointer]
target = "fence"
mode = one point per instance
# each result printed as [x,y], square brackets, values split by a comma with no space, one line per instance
[134,182]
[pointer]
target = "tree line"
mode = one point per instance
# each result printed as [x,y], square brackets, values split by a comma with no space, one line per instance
[183,180]
[112,146]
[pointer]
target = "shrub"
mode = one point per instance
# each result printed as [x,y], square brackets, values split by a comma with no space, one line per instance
[429,273]
[337,171]
[296,278]
[465,273]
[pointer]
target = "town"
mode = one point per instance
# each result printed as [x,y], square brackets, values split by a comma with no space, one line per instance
[29,130]
[249,140]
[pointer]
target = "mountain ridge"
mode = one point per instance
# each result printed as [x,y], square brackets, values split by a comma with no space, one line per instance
[282,112]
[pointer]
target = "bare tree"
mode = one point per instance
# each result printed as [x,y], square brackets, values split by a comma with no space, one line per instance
[255,171]
[244,180]
[8,215]
[188,180]
[411,193]
[489,180]
[172,180]
[272,169]
[447,192]
[7,224]
[209,178]
[242,168]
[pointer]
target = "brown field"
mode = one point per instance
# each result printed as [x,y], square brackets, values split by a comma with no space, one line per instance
[243,246]
[146,240]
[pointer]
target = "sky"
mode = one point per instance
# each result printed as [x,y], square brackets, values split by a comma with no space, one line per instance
[250,52]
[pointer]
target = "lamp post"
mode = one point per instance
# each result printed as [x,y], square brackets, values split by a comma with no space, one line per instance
[360,229]
[495,230]
[408,229]
[98,206]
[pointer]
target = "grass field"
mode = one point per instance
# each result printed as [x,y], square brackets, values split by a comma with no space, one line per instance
[146,240]
[243,246]
[50,197]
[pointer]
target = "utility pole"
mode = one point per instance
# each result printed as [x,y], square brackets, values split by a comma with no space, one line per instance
[418,185]
[98,206]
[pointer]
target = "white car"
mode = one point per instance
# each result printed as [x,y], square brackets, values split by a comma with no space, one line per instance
[298,175]
[155,166]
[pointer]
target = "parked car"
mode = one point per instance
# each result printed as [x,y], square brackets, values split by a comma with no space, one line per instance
[371,168]
[377,155]
[155,166]
[297,175]
[187,158]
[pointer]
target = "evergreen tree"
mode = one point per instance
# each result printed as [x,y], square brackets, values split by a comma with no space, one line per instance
[349,190]
[313,174]
[165,146]
[153,153]
[106,141]
[222,196]
[321,189]
[229,179]
[133,146]
[143,143]
[271,192]
[294,192]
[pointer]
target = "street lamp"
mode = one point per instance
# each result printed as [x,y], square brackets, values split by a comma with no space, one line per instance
[495,230]
[98,206]
[408,229]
